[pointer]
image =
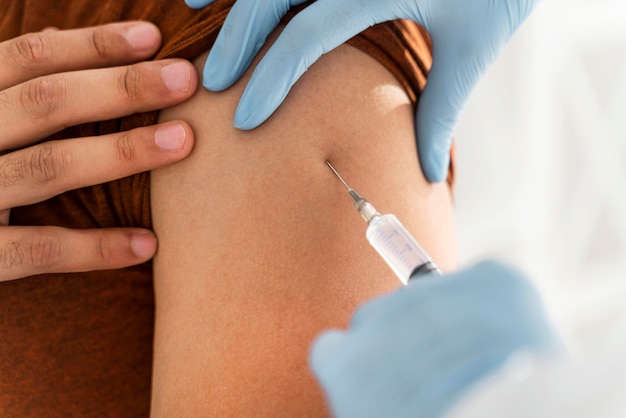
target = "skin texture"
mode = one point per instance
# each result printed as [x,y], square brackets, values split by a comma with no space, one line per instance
[260,248]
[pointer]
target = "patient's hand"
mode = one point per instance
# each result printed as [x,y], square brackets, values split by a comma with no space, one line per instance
[55,79]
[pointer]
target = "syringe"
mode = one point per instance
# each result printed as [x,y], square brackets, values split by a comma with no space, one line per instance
[391,239]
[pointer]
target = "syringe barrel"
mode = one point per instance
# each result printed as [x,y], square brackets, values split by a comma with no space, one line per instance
[398,248]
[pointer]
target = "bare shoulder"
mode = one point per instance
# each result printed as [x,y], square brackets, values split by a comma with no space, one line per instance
[259,246]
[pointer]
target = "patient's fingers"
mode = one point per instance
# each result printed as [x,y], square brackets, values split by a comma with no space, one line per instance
[40,107]
[53,51]
[28,251]
[39,172]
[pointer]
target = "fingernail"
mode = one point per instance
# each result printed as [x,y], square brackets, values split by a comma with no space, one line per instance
[142,36]
[176,76]
[170,137]
[143,245]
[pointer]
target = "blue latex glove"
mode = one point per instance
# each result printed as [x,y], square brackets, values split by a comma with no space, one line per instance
[413,353]
[467,36]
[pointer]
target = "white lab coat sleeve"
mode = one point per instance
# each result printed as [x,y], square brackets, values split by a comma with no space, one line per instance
[589,388]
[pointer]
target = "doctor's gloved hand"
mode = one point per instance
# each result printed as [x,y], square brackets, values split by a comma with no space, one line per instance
[467,36]
[415,352]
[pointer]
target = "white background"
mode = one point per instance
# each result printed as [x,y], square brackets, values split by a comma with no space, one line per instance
[542,165]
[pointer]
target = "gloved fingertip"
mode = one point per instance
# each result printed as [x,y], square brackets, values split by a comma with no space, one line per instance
[249,116]
[243,121]
[198,4]
[212,79]
[434,137]
[210,84]
[324,350]
[435,167]
[265,92]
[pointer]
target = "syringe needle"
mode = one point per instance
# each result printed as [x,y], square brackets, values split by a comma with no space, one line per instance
[365,208]
[338,175]
[391,239]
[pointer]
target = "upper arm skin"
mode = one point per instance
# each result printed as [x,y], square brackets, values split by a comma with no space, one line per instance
[260,248]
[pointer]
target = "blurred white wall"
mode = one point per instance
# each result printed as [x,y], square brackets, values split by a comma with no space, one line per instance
[542,165]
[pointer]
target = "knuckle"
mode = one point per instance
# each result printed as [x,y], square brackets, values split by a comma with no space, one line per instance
[130,84]
[42,96]
[103,250]
[124,149]
[32,50]
[42,251]
[11,256]
[100,43]
[46,163]
[11,171]
[5,99]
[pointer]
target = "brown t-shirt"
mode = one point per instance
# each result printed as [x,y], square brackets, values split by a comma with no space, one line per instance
[81,344]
